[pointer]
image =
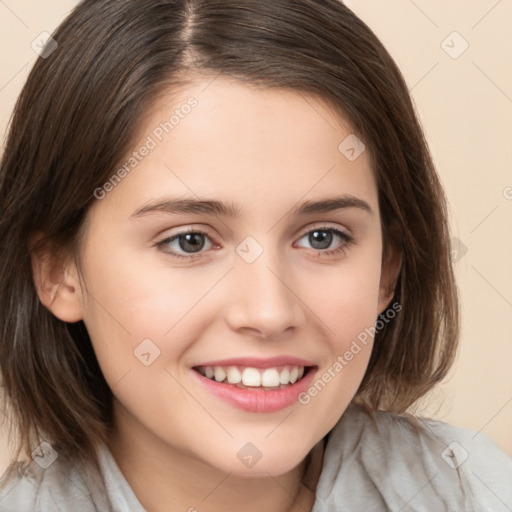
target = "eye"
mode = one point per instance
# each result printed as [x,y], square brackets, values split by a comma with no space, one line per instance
[189,243]
[326,240]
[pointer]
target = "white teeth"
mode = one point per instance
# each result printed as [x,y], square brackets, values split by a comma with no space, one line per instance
[234,375]
[251,377]
[270,378]
[220,374]
[254,377]
[284,377]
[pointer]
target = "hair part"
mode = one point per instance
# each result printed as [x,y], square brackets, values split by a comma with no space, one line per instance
[80,111]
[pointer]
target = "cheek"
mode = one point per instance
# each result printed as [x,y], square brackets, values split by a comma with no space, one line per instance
[130,302]
[347,304]
[345,297]
[141,320]
[351,319]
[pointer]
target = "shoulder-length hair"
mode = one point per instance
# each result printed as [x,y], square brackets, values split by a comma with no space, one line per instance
[76,118]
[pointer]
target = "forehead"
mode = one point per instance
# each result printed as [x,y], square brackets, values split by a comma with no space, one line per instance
[244,144]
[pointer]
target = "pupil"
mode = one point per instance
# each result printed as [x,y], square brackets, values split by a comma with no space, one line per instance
[191,242]
[320,239]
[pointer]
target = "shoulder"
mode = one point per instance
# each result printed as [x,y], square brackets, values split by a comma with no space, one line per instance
[60,486]
[383,461]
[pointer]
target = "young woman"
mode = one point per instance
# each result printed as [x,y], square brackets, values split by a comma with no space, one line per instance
[226,271]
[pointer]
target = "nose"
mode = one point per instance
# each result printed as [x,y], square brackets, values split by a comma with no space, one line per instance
[262,299]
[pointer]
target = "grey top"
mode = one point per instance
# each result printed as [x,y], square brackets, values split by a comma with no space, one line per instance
[371,464]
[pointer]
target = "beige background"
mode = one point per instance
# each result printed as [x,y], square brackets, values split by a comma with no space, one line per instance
[465,104]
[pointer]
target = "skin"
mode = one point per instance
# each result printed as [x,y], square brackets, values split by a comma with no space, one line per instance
[266,151]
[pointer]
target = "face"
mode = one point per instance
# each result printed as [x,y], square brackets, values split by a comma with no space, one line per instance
[242,244]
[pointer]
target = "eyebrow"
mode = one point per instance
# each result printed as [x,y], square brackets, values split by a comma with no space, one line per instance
[205,207]
[218,208]
[331,204]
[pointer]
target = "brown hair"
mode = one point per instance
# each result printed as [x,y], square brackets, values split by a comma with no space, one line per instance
[77,116]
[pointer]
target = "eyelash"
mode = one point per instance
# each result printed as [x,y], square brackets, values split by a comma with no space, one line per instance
[346,241]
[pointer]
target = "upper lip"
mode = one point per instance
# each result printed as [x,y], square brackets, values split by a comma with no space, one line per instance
[258,362]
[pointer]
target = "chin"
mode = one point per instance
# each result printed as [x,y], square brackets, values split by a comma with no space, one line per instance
[251,461]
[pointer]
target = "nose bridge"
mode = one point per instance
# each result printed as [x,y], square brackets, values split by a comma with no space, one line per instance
[262,299]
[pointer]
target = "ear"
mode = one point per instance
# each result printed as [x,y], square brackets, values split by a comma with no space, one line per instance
[56,281]
[391,266]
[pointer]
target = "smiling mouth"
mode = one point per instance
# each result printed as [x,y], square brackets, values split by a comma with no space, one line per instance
[268,379]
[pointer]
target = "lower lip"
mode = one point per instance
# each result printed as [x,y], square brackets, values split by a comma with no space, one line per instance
[258,400]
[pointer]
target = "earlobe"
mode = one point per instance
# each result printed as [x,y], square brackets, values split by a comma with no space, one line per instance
[57,287]
[391,266]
